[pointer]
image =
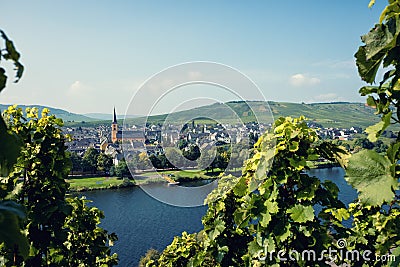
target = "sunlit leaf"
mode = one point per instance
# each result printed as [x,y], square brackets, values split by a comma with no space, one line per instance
[369,173]
[371,3]
[301,214]
[374,131]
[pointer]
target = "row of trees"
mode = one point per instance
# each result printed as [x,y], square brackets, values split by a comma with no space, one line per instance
[216,158]
[92,161]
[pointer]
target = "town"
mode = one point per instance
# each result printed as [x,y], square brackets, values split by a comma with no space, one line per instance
[160,143]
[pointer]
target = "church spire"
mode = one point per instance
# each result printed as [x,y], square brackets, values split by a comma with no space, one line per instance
[115,117]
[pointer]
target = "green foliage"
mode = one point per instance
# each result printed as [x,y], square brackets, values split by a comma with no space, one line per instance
[376,214]
[151,257]
[55,232]
[9,145]
[370,173]
[269,208]
[185,251]
[9,53]
[191,152]
[90,159]
[122,170]
[12,215]
[86,243]
[272,206]
[104,162]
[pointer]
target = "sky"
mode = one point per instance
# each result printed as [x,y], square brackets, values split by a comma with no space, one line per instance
[89,56]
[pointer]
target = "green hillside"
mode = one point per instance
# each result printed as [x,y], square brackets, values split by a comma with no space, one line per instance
[60,113]
[337,114]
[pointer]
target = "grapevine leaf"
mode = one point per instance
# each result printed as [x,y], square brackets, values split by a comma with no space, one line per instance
[340,214]
[218,229]
[396,262]
[367,68]
[265,219]
[241,187]
[375,131]
[272,206]
[371,3]
[9,149]
[10,233]
[301,214]
[369,173]
[3,79]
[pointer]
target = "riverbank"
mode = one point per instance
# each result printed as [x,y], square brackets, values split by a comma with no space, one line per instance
[98,183]
[321,164]
[81,184]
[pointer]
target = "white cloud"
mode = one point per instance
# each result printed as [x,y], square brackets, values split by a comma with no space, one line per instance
[77,88]
[299,80]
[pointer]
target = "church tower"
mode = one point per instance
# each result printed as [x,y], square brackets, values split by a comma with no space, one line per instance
[114,128]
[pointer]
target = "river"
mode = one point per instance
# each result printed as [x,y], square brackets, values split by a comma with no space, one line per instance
[141,222]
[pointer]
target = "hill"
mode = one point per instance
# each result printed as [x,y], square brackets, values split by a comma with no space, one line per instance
[60,113]
[336,114]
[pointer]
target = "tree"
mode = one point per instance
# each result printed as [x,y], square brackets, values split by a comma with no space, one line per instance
[76,162]
[222,158]
[155,161]
[191,152]
[104,162]
[90,159]
[182,143]
[206,159]
[56,234]
[122,169]
[143,161]
[364,143]
[174,157]
[165,164]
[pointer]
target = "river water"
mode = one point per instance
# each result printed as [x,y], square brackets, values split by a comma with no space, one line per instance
[141,222]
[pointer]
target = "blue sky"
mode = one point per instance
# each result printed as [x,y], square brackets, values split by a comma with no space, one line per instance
[87,56]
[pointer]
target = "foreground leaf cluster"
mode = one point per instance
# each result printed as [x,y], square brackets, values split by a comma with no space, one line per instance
[61,230]
[275,205]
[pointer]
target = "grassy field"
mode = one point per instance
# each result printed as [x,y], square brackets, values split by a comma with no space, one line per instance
[91,183]
[97,183]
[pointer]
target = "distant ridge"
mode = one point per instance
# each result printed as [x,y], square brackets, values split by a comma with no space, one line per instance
[334,114]
[59,113]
